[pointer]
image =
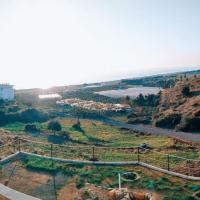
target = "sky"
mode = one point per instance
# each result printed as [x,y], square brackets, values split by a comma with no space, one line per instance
[45,43]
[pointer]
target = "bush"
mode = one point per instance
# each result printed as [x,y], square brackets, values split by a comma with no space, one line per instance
[80,183]
[147,100]
[186,91]
[31,128]
[189,124]
[139,120]
[3,118]
[31,115]
[177,197]
[25,116]
[169,121]
[54,126]
[77,126]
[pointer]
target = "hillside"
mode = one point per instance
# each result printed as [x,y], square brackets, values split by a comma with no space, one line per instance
[162,80]
[180,111]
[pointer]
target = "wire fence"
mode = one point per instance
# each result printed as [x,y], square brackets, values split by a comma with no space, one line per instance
[149,156]
[7,149]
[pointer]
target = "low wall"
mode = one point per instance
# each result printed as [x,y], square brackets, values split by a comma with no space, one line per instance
[133,163]
[15,195]
[10,158]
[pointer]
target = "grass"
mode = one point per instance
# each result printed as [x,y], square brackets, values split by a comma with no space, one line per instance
[107,177]
[97,132]
[14,127]
[19,127]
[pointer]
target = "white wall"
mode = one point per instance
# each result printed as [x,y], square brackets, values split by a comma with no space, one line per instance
[7,92]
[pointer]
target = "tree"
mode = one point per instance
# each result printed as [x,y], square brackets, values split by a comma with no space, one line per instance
[31,128]
[186,91]
[140,100]
[31,115]
[54,126]
[77,126]
[128,100]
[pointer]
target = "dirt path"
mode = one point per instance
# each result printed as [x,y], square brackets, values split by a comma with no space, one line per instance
[155,130]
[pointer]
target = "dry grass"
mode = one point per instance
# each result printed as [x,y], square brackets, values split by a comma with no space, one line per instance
[172,100]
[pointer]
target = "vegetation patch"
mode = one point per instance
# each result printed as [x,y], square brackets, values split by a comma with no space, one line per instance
[169,121]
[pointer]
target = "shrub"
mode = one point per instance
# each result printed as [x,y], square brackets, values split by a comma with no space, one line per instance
[80,183]
[189,124]
[54,126]
[139,120]
[186,91]
[147,100]
[25,116]
[178,197]
[77,126]
[32,115]
[169,121]
[31,128]
[3,118]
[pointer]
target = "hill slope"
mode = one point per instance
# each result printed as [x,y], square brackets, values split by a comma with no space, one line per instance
[180,111]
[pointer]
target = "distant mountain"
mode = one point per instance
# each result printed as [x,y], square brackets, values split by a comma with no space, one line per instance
[159,80]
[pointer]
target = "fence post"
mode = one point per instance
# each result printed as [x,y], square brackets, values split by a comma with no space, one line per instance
[1,170]
[138,154]
[168,160]
[19,145]
[51,151]
[52,164]
[93,153]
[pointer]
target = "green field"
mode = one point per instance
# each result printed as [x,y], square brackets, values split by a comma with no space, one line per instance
[166,187]
[95,133]
[72,143]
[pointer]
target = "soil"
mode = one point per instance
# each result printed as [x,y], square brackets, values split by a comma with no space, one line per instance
[3,198]
[190,169]
[69,192]
[36,183]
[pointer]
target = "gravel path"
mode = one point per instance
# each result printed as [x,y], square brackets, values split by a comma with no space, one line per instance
[155,130]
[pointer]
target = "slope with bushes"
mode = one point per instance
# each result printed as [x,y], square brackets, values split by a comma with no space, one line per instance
[180,106]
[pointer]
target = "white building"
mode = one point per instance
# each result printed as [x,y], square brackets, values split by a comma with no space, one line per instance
[7,92]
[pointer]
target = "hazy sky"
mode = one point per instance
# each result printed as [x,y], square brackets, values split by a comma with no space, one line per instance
[46,43]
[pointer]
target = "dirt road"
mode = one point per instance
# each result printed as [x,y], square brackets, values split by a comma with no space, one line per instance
[155,130]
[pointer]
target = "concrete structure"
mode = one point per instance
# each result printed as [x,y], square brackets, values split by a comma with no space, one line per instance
[23,154]
[9,193]
[15,195]
[7,92]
